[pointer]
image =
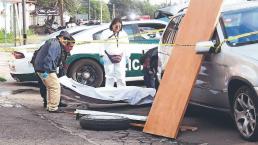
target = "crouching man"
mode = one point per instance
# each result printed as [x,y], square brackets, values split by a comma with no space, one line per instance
[48,58]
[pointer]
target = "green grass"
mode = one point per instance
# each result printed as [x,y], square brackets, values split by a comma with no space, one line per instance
[10,36]
[2,79]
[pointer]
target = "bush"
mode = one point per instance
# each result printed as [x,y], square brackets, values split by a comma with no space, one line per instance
[10,36]
[30,32]
[2,79]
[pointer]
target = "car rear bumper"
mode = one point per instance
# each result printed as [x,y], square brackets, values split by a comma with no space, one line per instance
[24,77]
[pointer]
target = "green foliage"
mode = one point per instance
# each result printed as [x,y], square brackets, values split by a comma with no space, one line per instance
[10,36]
[123,7]
[30,32]
[71,6]
[82,10]
[95,10]
[2,79]
[105,13]
[47,3]
[147,9]
[126,7]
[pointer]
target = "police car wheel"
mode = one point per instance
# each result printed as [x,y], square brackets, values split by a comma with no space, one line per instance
[88,72]
[244,110]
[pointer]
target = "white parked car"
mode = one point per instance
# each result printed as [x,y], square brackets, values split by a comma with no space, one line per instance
[84,63]
[20,66]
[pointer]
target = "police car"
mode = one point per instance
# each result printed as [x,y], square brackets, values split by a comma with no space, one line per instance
[84,63]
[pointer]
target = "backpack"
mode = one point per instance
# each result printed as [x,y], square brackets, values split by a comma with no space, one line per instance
[32,61]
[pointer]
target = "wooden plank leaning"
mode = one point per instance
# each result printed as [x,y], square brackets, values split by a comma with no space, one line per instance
[182,68]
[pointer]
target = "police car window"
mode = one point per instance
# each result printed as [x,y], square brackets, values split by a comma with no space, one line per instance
[130,30]
[97,36]
[171,30]
[241,22]
[151,30]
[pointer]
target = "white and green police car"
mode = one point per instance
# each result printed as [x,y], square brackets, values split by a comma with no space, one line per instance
[84,63]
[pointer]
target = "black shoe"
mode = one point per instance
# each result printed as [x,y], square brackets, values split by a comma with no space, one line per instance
[57,111]
[62,104]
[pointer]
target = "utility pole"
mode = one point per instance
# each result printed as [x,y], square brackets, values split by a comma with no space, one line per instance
[114,11]
[61,11]
[89,10]
[24,22]
[5,15]
[101,11]
[14,24]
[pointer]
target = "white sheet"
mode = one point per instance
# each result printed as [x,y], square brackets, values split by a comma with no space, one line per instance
[131,94]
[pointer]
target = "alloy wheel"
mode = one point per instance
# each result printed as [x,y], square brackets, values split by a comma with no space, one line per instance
[245,114]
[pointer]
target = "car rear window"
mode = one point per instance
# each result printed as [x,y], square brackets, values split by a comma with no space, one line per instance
[171,30]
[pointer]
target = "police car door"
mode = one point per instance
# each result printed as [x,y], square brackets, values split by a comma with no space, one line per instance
[140,43]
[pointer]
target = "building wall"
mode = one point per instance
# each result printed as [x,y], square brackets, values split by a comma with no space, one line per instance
[6,16]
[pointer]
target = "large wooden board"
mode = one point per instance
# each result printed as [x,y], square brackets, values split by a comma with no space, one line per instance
[183,66]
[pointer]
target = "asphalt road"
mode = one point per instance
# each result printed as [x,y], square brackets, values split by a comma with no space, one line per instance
[24,121]
[22,126]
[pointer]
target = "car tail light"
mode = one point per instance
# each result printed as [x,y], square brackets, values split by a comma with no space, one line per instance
[18,55]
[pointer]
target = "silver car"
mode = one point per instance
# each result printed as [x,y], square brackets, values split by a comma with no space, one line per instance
[228,79]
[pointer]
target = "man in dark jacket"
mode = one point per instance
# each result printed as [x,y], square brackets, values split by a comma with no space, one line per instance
[47,60]
[62,71]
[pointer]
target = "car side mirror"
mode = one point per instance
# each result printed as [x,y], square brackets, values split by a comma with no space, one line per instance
[203,47]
